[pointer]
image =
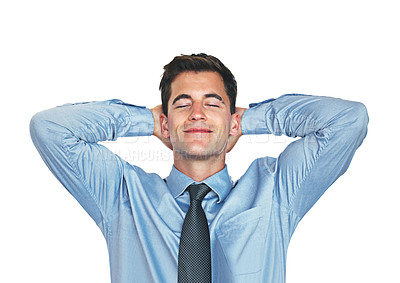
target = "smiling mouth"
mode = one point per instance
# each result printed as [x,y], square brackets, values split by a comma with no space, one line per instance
[197,131]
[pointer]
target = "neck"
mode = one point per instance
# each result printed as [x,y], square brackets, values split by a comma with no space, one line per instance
[199,169]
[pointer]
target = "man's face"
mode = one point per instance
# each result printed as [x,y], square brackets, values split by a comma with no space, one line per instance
[199,119]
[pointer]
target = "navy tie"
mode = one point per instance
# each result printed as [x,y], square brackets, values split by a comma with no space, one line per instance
[194,258]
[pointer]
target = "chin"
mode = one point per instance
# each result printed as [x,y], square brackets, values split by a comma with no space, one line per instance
[198,153]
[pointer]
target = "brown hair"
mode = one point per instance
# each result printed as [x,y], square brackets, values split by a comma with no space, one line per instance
[196,63]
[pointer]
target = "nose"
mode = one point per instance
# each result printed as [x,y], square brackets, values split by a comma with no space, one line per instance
[197,112]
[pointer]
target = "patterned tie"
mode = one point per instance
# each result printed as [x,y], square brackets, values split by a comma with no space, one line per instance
[194,259]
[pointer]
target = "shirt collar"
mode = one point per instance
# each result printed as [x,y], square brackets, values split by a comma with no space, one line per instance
[220,183]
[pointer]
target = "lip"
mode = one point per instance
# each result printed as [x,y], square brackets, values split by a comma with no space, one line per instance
[198,131]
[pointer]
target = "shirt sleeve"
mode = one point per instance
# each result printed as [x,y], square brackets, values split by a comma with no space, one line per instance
[331,130]
[67,139]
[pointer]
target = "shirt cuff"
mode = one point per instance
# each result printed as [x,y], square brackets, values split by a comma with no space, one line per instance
[253,120]
[140,118]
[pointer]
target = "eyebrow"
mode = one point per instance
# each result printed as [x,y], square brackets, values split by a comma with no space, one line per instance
[215,96]
[181,96]
[187,96]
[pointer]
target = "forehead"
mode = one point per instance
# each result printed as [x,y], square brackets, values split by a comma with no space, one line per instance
[198,83]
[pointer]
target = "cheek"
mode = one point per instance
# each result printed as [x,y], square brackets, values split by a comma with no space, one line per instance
[226,123]
[173,129]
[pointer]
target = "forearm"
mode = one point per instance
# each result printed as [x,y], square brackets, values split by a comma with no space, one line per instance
[300,115]
[92,122]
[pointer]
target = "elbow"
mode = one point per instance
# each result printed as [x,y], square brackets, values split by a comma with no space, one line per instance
[39,128]
[356,122]
[361,118]
[36,127]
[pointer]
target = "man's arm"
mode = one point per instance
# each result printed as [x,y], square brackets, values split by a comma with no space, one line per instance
[330,129]
[66,138]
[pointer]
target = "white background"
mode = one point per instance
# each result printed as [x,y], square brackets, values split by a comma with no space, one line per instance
[54,52]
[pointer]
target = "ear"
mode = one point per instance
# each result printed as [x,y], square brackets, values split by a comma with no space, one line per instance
[164,126]
[235,124]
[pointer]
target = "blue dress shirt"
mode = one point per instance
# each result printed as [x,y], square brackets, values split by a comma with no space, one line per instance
[251,220]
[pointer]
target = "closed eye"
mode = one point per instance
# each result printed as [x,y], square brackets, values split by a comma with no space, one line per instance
[214,100]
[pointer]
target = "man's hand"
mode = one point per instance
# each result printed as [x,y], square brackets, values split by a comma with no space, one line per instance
[232,140]
[157,111]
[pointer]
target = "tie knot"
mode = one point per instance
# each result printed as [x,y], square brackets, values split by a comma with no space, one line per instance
[198,192]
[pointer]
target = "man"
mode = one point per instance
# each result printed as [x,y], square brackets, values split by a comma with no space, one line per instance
[159,230]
